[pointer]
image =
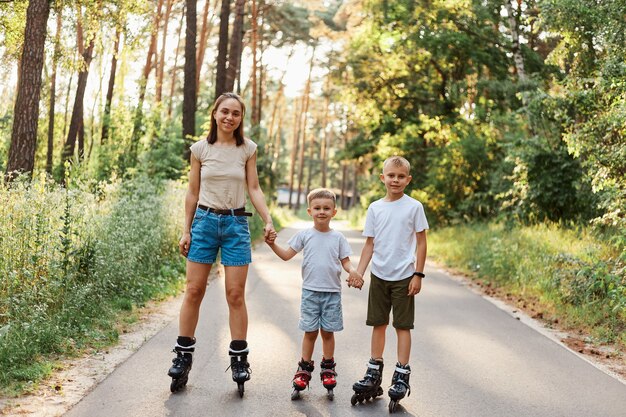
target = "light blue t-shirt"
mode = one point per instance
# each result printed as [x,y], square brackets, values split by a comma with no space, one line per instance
[321,264]
[393,225]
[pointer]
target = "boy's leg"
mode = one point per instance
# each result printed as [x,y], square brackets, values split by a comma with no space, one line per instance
[308,344]
[378,341]
[404,345]
[328,344]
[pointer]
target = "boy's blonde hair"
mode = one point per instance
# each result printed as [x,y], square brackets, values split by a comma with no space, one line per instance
[321,193]
[397,161]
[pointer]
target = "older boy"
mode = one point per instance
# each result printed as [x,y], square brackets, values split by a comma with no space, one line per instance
[326,251]
[395,228]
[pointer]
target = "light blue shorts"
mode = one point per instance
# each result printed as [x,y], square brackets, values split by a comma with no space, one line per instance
[210,232]
[320,310]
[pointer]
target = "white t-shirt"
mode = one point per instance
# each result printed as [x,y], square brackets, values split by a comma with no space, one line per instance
[321,264]
[223,173]
[393,226]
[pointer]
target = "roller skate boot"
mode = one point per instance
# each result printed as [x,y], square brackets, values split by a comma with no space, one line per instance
[181,365]
[239,364]
[399,385]
[301,378]
[328,376]
[369,386]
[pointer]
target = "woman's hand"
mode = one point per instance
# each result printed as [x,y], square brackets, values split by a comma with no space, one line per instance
[268,230]
[184,243]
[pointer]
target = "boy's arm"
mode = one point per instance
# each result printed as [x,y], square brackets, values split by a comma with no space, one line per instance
[420,255]
[366,255]
[354,279]
[284,254]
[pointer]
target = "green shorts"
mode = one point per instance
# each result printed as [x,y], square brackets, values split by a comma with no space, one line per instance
[385,295]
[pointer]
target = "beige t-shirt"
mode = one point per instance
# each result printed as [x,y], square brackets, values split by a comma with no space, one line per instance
[223,173]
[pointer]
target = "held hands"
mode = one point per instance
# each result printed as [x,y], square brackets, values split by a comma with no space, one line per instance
[268,230]
[355,279]
[270,238]
[184,243]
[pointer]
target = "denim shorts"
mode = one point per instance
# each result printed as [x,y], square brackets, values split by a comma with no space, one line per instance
[320,310]
[210,232]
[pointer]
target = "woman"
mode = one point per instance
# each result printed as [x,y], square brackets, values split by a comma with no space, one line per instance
[223,167]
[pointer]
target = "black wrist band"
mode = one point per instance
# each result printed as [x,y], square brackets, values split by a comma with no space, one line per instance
[419,274]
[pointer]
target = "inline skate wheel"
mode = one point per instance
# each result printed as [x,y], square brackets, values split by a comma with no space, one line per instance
[353,399]
[240,388]
[392,406]
[295,395]
[331,394]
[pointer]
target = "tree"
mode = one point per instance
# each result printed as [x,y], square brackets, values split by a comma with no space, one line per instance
[53,80]
[189,89]
[236,46]
[106,117]
[26,113]
[76,122]
[222,50]
[205,33]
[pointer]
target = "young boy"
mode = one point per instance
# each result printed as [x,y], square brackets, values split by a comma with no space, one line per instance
[395,228]
[325,252]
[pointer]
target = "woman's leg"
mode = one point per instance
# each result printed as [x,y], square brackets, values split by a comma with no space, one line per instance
[197,275]
[235,297]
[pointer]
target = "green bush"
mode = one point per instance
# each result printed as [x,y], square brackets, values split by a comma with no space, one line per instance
[572,271]
[70,258]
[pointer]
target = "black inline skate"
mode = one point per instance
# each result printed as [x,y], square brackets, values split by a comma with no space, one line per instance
[301,378]
[369,386]
[181,364]
[328,376]
[239,363]
[399,385]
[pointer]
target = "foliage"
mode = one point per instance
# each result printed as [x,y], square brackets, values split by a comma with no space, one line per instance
[70,258]
[571,271]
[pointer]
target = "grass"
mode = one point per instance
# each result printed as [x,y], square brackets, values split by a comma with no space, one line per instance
[570,274]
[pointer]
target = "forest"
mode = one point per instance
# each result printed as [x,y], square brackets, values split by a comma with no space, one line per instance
[512,114]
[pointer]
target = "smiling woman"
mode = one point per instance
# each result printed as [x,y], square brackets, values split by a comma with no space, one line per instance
[223,167]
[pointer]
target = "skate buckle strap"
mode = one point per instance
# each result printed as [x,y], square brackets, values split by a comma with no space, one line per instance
[373,365]
[403,370]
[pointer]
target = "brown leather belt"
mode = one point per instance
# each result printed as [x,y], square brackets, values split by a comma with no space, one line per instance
[231,212]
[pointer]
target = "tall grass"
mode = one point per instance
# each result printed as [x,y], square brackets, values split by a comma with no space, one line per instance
[70,258]
[570,271]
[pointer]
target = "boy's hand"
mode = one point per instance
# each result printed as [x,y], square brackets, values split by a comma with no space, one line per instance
[415,286]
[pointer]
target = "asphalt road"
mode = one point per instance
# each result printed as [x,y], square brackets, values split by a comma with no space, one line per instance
[469,358]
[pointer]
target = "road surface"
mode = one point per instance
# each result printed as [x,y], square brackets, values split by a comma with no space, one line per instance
[469,358]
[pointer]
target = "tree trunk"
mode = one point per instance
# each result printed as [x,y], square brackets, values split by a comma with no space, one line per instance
[76,122]
[254,23]
[26,113]
[236,46]
[222,50]
[325,136]
[294,149]
[138,124]
[53,85]
[205,33]
[189,89]
[106,117]
[170,103]
[161,61]
[305,118]
[517,53]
